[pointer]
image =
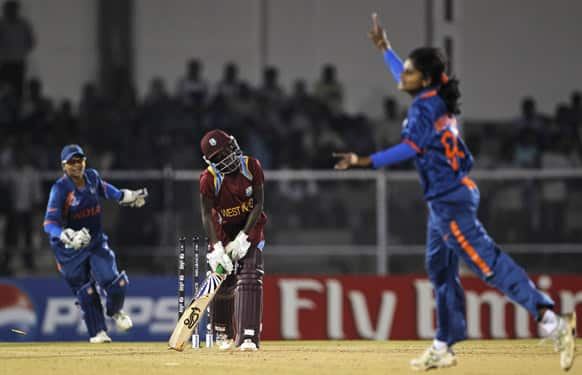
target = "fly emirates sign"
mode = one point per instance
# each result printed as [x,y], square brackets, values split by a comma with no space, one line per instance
[396,307]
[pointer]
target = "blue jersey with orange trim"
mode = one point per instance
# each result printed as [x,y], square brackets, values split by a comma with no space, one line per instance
[70,207]
[442,158]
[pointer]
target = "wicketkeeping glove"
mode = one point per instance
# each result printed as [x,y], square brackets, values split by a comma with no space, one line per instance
[133,198]
[75,239]
[238,248]
[219,257]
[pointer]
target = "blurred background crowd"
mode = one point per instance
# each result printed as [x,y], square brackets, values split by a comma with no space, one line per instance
[295,128]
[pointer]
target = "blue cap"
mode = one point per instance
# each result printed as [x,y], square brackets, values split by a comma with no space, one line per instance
[71,150]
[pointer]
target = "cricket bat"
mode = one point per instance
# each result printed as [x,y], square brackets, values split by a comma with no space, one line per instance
[191,316]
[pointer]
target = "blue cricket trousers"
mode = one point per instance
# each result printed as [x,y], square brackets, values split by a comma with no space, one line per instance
[454,232]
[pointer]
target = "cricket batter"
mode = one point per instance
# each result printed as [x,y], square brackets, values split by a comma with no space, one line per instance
[84,258]
[430,136]
[231,196]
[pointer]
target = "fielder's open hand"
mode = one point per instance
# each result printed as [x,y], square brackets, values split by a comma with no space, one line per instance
[350,159]
[378,34]
[347,160]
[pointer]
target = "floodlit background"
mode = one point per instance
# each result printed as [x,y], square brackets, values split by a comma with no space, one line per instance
[137,83]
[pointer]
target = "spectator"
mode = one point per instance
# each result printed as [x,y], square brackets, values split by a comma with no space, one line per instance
[576,108]
[271,93]
[192,88]
[66,124]
[329,91]
[531,122]
[575,121]
[529,118]
[561,124]
[16,43]
[527,152]
[8,109]
[300,98]
[37,109]
[229,85]
[388,127]
[490,148]
[554,192]
[26,196]
[157,93]
[93,119]
[244,103]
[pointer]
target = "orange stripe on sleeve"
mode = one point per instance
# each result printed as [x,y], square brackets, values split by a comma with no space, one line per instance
[466,246]
[47,222]
[412,144]
[468,183]
[428,94]
[68,203]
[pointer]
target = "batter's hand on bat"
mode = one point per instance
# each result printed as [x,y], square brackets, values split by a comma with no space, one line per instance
[219,258]
[378,35]
[347,160]
[238,248]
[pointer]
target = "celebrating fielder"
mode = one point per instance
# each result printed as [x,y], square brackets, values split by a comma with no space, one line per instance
[430,135]
[73,223]
[231,195]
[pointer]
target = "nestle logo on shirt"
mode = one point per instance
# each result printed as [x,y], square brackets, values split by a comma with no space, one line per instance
[87,212]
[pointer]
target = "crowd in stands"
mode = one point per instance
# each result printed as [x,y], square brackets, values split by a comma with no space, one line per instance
[284,129]
[297,129]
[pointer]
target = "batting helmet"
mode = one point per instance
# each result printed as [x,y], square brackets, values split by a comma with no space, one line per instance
[221,151]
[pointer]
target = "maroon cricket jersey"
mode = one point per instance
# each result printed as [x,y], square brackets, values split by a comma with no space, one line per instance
[232,195]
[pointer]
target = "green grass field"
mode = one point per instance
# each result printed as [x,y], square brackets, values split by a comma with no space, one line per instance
[275,358]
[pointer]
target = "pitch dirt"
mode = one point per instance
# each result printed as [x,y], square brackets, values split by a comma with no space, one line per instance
[276,358]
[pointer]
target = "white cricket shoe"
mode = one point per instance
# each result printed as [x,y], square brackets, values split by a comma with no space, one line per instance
[565,340]
[223,343]
[248,346]
[226,345]
[432,358]
[100,338]
[122,321]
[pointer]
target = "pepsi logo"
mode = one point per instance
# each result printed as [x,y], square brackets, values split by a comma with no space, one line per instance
[16,311]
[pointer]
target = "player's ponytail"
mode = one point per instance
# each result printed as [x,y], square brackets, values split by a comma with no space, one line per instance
[450,93]
[431,63]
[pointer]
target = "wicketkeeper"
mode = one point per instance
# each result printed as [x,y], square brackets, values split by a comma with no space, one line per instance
[231,195]
[84,258]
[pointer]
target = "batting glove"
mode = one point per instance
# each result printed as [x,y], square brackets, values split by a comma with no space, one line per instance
[238,248]
[219,257]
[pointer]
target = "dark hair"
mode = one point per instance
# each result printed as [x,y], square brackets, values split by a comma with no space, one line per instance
[431,63]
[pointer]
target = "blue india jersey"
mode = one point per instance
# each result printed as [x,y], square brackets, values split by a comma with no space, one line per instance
[442,158]
[70,207]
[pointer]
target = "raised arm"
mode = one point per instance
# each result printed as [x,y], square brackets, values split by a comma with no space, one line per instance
[380,40]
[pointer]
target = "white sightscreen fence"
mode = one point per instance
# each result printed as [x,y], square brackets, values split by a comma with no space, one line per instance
[351,222]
